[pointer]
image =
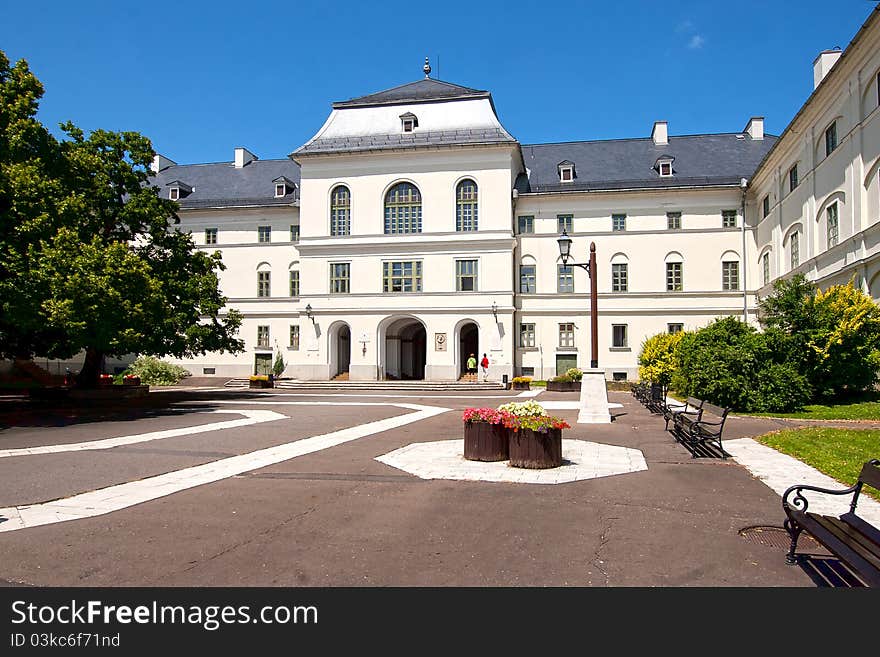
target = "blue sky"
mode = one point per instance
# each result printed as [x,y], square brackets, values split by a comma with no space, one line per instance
[200,78]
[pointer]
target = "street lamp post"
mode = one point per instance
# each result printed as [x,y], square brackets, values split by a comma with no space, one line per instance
[594,394]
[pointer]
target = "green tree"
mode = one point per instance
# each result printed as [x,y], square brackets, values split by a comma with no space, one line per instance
[278,365]
[104,267]
[658,357]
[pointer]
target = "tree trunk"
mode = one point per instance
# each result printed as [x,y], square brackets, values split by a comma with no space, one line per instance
[92,367]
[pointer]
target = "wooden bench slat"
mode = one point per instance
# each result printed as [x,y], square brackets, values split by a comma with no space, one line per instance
[870,475]
[860,525]
[839,531]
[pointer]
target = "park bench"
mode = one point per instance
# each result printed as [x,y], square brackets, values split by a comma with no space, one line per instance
[695,430]
[692,406]
[655,399]
[850,538]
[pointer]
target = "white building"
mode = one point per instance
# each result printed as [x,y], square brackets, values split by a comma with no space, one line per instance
[413,230]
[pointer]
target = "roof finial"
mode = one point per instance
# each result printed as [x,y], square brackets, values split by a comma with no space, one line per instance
[427,68]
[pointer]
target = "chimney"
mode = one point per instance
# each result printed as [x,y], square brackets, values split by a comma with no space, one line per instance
[243,157]
[660,133]
[823,64]
[755,128]
[161,162]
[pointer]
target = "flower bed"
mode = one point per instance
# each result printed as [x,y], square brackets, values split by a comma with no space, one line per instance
[536,441]
[521,382]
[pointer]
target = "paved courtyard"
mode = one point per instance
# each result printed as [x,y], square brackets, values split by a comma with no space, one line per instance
[282,488]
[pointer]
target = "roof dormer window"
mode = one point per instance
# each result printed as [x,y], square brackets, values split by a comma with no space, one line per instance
[280,190]
[409,122]
[283,186]
[178,190]
[566,171]
[174,193]
[663,166]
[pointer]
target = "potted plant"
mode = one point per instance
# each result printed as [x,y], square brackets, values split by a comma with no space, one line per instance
[521,382]
[535,441]
[485,435]
[260,381]
[561,383]
[105,379]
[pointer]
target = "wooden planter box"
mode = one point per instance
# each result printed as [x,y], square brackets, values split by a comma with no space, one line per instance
[485,442]
[520,386]
[535,450]
[260,384]
[563,386]
[131,381]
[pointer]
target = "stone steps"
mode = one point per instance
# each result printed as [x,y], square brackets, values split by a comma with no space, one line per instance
[375,385]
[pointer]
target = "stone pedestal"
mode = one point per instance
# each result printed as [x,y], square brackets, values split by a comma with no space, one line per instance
[594,399]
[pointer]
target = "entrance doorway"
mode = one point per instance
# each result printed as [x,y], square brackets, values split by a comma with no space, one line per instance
[405,350]
[262,363]
[565,362]
[468,343]
[342,358]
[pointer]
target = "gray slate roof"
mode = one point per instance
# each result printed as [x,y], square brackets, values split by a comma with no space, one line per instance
[222,185]
[419,138]
[421,91]
[700,160]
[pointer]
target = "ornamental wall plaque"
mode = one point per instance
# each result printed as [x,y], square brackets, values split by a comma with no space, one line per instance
[439,342]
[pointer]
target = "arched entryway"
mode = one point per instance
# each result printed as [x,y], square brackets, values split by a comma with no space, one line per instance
[403,348]
[339,339]
[468,343]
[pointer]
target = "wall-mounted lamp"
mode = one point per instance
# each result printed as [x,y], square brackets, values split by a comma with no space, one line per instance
[495,310]
[309,312]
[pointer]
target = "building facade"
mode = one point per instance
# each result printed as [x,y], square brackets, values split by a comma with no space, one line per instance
[413,230]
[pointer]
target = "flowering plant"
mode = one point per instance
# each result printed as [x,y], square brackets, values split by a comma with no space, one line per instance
[523,409]
[521,379]
[490,415]
[540,423]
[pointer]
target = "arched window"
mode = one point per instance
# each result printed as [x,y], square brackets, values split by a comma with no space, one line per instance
[340,211]
[403,209]
[466,206]
[674,272]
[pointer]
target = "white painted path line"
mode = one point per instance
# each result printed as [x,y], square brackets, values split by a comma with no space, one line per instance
[251,417]
[780,471]
[378,396]
[114,498]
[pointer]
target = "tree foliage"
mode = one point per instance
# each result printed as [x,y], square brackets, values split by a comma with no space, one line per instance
[658,357]
[90,257]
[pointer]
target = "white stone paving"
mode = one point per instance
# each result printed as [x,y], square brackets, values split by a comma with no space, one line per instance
[780,471]
[251,417]
[114,498]
[444,459]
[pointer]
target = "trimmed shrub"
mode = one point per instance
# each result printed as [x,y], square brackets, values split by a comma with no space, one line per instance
[575,374]
[155,372]
[562,378]
[658,357]
[781,388]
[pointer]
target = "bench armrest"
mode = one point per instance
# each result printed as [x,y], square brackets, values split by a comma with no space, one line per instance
[801,503]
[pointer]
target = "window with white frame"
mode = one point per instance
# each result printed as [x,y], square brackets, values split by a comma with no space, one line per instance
[833,225]
[264,234]
[174,193]
[403,209]
[765,268]
[618,336]
[294,337]
[618,222]
[340,211]
[210,235]
[619,277]
[526,335]
[665,168]
[263,337]
[564,278]
[566,335]
[466,275]
[525,224]
[673,220]
[527,279]
[673,276]
[402,276]
[294,282]
[340,277]
[466,206]
[675,327]
[280,190]
[566,172]
[730,275]
[728,218]
[263,283]
[830,138]
[565,222]
[794,250]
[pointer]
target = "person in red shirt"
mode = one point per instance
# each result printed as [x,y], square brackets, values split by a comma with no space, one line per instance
[484,366]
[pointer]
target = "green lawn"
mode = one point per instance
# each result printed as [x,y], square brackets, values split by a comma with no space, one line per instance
[859,410]
[839,453]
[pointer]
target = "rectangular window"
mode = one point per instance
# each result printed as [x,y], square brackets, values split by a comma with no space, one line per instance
[565,222]
[280,190]
[526,335]
[294,282]
[527,371]
[830,139]
[729,276]
[566,335]
[619,277]
[209,370]
[618,336]
[210,235]
[674,328]
[673,276]
[402,276]
[294,337]
[728,218]
[831,212]
[294,232]
[792,179]
[340,277]
[527,283]
[525,224]
[263,336]
[466,275]
[263,284]
[264,234]
[174,194]
[564,278]
[618,222]
[765,206]
[618,376]
[765,264]
[795,250]
[673,220]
